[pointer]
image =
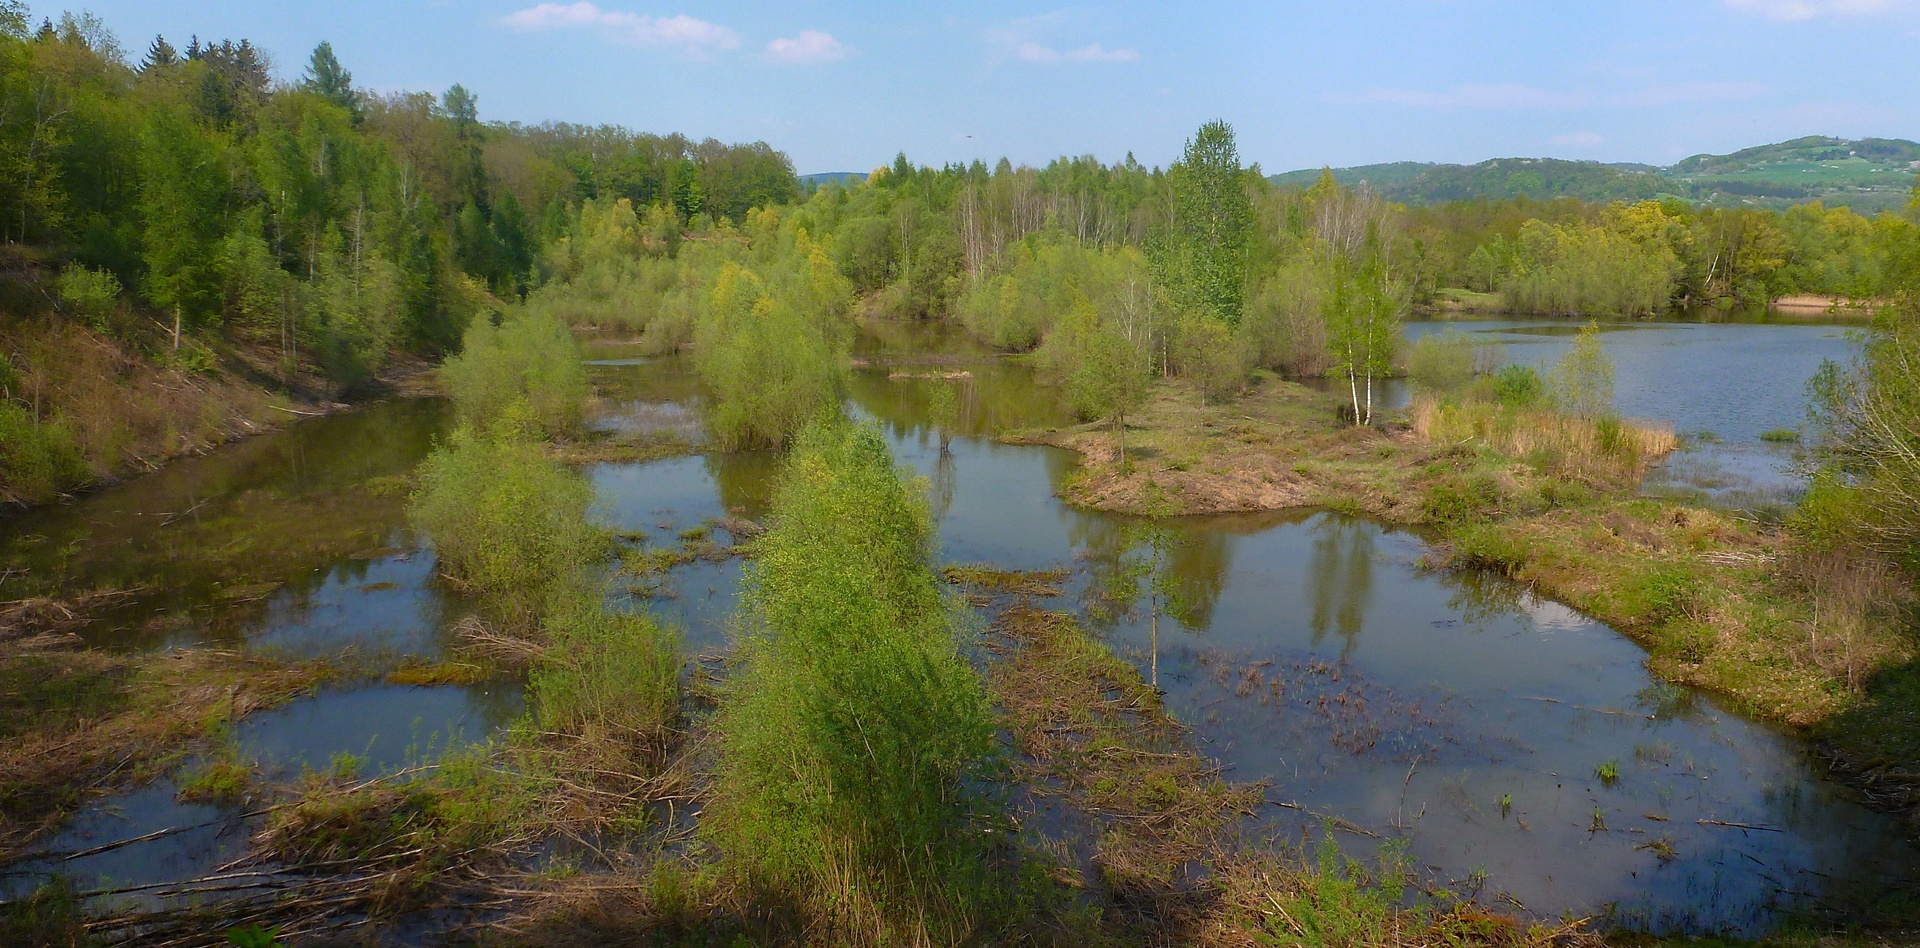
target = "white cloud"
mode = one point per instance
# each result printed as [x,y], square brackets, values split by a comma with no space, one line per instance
[1577,140]
[1792,10]
[1095,53]
[696,37]
[809,48]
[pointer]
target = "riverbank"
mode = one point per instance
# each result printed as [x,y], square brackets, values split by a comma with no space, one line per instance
[1720,602]
[80,410]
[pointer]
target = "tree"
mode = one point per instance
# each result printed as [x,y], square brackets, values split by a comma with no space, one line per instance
[1206,260]
[1582,383]
[331,81]
[1362,310]
[1109,382]
[183,194]
[160,55]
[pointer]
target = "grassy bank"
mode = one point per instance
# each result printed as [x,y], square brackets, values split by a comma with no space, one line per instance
[1725,603]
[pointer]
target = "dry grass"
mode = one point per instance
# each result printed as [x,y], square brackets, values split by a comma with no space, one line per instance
[125,411]
[1598,453]
[79,724]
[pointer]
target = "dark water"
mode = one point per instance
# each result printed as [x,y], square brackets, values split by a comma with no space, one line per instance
[1314,652]
[1723,384]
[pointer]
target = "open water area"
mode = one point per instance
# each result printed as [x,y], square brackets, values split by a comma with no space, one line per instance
[1377,700]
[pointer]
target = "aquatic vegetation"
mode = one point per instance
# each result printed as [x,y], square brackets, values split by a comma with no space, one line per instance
[1781,435]
[851,723]
[506,521]
[1608,771]
[605,670]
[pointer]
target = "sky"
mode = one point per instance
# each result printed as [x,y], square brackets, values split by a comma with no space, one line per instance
[843,87]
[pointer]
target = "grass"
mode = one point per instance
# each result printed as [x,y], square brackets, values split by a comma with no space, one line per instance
[1781,435]
[84,723]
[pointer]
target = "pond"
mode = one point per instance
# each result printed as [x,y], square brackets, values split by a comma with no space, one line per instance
[1722,384]
[1522,750]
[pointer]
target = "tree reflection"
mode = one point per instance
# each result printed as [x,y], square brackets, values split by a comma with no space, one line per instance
[1341,575]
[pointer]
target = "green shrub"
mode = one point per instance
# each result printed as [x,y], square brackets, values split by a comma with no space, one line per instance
[1518,386]
[89,295]
[605,669]
[1441,361]
[523,375]
[505,521]
[1455,500]
[38,459]
[853,722]
[771,362]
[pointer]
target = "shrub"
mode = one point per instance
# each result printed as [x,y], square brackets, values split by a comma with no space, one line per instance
[605,669]
[1456,500]
[1442,361]
[853,722]
[38,459]
[505,521]
[89,295]
[1518,386]
[1583,381]
[770,362]
[524,374]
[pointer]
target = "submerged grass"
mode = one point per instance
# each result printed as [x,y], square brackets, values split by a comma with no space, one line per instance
[80,724]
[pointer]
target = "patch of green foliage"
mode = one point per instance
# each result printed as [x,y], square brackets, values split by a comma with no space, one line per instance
[852,724]
[38,457]
[505,520]
[604,669]
[523,375]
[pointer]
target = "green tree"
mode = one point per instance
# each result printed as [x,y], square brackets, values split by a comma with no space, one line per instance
[1205,262]
[1109,382]
[329,80]
[183,196]
[852,724]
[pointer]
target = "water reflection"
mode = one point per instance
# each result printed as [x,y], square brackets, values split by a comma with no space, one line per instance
[1341,574]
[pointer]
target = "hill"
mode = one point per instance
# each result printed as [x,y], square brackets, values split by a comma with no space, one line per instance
[1869,175]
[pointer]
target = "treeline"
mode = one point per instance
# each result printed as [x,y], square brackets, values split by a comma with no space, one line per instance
[185,213]
[307,214]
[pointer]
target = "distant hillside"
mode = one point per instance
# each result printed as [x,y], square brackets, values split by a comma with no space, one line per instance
[1870,175]
[829,177]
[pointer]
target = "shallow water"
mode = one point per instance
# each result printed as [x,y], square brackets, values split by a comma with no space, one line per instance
[1725,383]
[1313,652]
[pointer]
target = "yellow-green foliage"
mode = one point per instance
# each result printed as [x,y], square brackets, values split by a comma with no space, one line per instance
[505,520]
[1622,266]
[773,340]
[605,669]
[853,720]
[523,375]
[38,458]
[1047,274]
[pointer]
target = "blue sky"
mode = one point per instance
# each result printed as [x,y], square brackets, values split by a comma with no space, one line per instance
[845,86]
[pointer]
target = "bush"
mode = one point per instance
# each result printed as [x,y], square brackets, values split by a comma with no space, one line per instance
[1442,361]
[522,376]
[89,295]
[505,521]
[771,361]
[605,669]
[38,459]
[1583,381]
[1209,355]
[1518,386]
[853,723]
[1456,500]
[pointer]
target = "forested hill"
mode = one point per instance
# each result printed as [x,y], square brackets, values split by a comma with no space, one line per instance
[1869,175]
